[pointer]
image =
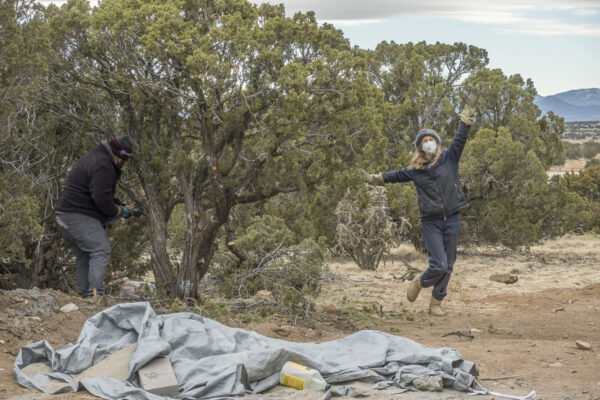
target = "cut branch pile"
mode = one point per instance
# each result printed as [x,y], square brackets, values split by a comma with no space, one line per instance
[366,233]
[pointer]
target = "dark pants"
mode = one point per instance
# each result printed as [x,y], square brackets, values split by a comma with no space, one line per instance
[88,240]
[441,239]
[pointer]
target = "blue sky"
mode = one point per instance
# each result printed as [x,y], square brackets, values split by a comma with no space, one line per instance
[556,43]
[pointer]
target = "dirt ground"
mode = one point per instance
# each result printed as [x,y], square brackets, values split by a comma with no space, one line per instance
[569,166]
[523,334]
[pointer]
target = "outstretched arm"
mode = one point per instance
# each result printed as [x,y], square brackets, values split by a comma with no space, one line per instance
[401,175]
[381,178]
[372,179]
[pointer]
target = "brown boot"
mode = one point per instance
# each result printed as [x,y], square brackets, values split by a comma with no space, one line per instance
[435,308]
[97,299]
[413,290]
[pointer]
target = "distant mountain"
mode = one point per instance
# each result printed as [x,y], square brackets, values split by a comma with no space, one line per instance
[574,105]
[581,97]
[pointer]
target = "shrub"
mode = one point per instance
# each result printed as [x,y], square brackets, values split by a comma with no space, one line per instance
[592,163]
[365,229]
[586,184]
[290,271]
[510,199]
[590,149]
[572,151]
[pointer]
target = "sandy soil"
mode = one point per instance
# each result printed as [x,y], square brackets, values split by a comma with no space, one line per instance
[525,331]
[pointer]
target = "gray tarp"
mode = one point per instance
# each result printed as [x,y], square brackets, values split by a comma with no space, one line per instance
[213,360]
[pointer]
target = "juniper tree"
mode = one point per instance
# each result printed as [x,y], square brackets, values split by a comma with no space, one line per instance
[37,148]
[229,102]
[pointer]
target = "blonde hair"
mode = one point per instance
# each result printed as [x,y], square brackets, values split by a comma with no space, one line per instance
[420,158]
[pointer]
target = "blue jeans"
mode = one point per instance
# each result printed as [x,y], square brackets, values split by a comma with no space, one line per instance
[88,240]
[441,239]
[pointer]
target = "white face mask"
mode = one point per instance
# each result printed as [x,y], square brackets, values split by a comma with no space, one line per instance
[430,147]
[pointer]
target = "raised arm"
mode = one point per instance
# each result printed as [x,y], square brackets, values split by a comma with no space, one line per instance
[466,120]
[458,142]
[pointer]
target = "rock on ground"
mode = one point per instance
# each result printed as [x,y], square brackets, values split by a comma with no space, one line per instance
[429,383]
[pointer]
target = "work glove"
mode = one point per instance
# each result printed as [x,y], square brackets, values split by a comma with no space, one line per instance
[372,179]
[469,109]
[125,212]
[109,223]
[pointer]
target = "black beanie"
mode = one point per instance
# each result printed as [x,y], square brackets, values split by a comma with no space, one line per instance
[121,146]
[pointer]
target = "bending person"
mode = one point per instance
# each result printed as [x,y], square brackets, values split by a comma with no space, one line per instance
[87,205]
[434,173]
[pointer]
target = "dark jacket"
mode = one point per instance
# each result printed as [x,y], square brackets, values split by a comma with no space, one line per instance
[438,187]
[91,184]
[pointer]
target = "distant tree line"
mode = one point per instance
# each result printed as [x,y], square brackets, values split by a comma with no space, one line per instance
[575,151]
[249,121]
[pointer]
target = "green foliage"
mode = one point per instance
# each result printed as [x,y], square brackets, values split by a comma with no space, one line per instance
[128,260]
[419,82]
[228,110]
[565,211]
[19,223]
[178,306]
[37,150]
[508,102]
[421,88]
[212,309]
[177,225]
[571,151]
[586,183]
[209,309]
[34,150]
[293,209]
[510,199]
[290,271]
[510,183]
[584,131]
[502,98]
[590,149]
[263,236]
[239,111]
[593,162]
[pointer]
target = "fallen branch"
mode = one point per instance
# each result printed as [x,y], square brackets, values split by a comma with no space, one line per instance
[409,266]
[503,377]
[460,334]
[410,273]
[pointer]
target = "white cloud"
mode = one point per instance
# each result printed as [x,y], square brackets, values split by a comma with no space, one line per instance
[353,9]
[586,12]
[352,22]
[509,15]
[551,28]
[513,23]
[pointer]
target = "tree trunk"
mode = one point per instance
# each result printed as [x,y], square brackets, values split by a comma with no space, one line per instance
[199,249]
[161,263]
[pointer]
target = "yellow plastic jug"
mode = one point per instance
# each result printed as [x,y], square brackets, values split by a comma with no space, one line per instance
[301,377]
